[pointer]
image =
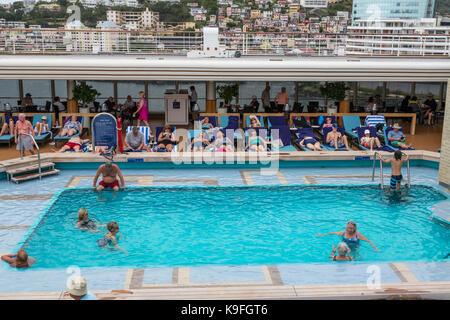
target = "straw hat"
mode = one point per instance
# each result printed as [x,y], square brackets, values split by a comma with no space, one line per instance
[44,118]
[77,286]
[367,131]
[396,126]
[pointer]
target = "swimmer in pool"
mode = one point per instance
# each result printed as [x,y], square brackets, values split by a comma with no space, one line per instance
[19,260]
[350,236]
[110,239]
[396,165]
[342,250]
[84,223]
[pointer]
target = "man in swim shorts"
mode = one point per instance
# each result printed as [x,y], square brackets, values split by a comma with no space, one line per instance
[74,144]
[19,260]
[109,172]
[396,165]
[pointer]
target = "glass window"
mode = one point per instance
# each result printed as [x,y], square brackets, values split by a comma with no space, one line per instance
[61,89]
[105,88]
[9,93]
[156,90]
[200,88]
[40,91]
[132,88]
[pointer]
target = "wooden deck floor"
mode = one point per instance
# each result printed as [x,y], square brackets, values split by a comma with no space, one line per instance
[426,138]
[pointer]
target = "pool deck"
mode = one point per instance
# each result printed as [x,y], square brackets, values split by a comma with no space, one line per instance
[285,281]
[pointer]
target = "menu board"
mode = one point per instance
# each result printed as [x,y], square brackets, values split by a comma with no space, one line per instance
[104,130]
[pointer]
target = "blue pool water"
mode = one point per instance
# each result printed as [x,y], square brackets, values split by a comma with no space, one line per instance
[188,226]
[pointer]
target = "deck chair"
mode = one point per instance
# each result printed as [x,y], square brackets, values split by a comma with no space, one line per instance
[195,134]
[333,120]
[145,131]
[260,131]
[284,134]
[350,125]
[373,120]
[8,138]
[212,120]
[38,118]
[301,122]
[66,138]
[373,133]
[327,146]
[306,132]
[276,121]
[157,132]
[386,131]
[230,123]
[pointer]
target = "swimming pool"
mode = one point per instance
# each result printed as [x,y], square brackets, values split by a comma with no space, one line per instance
[193,226]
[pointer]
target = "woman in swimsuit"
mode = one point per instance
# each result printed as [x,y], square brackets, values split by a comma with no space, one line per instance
[342,250]
[84,223]
[255,142]
[350,236]
[222,143]
[206,124]
[166,139]
[311,143]
[110,239]
[200,143]
[71,127]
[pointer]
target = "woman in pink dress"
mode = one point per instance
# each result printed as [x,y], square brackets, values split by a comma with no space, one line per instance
[142,110]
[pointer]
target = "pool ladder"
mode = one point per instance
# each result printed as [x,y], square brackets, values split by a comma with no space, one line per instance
[381,170]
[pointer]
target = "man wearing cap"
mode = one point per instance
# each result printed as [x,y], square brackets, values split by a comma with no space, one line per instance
[396,137]
[336,140]
[24,141]
[428,109]
[368,141]
[77,289]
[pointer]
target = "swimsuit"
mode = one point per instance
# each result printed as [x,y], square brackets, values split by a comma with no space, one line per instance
[395,180]
[113,184]
[105,241]
[309,141]
[88,224]
[351,242]
[72,145]
[72,125]
[257,142]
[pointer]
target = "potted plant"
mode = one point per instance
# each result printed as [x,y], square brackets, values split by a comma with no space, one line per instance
[84,94]
[227,92]
[335,91]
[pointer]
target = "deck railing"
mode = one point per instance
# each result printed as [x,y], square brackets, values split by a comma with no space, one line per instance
[95,41]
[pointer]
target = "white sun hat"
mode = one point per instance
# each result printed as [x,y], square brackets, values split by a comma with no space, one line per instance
[366,131]
[77,286]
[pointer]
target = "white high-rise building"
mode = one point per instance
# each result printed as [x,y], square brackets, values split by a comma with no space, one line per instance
[134,20]
[314,3]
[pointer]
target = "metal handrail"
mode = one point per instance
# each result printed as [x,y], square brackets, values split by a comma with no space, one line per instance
[408,170]
[381,170]
[38,150]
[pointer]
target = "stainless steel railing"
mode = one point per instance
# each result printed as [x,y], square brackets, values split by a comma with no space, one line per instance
[381,170]
[38,150]
[408,171]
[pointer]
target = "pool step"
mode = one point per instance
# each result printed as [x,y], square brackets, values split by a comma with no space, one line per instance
[25,173]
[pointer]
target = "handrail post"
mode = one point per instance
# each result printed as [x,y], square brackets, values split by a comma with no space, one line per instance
[373,165]
[38,150]
[381,175]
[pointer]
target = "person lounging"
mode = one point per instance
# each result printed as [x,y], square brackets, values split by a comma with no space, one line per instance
[350,236]
[200,143]
[255,142]
[206,124]
[396,137]
[222,143]
[74,144]
[71,127]
[310,143]
[368,141]
[166,139]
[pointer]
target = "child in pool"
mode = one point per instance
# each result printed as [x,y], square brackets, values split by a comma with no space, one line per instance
[84,223]
[110,239]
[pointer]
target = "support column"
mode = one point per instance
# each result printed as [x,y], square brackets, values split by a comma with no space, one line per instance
[211,97]
[70,87]
[441,95]
[21,94]
[383,94]
[413,89]
[296,91]
[444,163]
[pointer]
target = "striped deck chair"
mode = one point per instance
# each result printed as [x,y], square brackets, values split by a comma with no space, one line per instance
[145,131]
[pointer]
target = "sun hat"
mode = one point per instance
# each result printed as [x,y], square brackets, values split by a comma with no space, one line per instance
[367,131]
[44,118]
[77,286]
[396,126]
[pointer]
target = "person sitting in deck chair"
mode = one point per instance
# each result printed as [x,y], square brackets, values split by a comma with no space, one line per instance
[42,127]
[255,142]
[9,125]
[222,143]
[368,141]
[166,139]
[206,124]
[134,141]
[77,289]
[396,165]
[74,144]
[310,143]
[254,122]
[19,260]
[336,140]
[396,137]
[200,143]
[71,127]
[328,123]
